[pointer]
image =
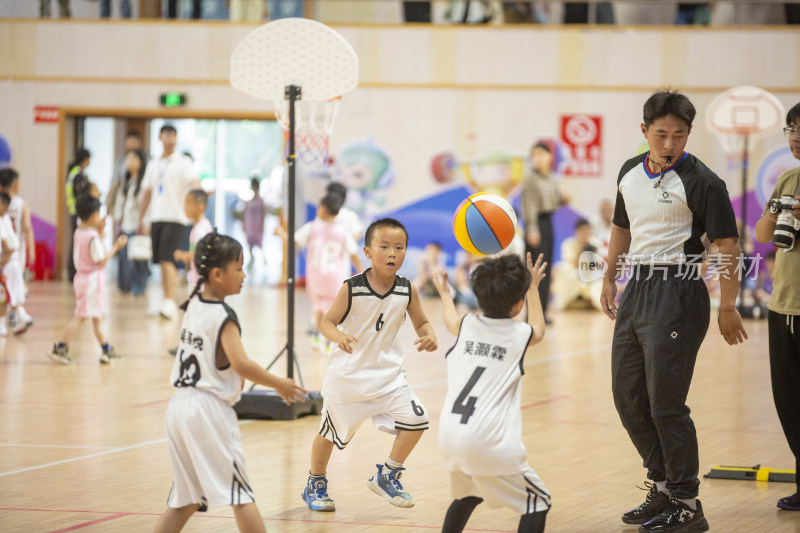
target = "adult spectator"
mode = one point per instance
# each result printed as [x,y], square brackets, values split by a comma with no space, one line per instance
[44,8]
[784,308]
[133,141]
[77,183]
[666,200]
[540,198]
[133,273]
[247,10]
[124,7]
[166,182]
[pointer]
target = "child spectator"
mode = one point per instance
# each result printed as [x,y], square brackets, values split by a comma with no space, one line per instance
[194,206]
[18,319]
[332,253]
[569,290]
[365,377]
[9,242]
[347,217]
[481,440]
[253,218]
[90,279]
[430,263]
[205,445]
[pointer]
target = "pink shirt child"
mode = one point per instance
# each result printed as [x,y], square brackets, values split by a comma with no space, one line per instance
[90,278]
[328,264]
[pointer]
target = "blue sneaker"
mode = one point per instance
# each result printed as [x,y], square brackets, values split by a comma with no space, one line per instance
[388,485]
[316,495]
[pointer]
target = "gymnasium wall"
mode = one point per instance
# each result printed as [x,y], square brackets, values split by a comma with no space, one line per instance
[424,89]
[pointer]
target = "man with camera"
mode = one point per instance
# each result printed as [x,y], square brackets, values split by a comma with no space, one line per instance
[778,224]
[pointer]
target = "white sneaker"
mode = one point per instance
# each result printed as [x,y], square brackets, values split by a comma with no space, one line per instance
[3,328]
[169,309]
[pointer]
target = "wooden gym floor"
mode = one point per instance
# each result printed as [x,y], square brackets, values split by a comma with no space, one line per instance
[82,447]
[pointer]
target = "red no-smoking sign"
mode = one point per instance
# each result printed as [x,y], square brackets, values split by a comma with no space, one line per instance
[583,136]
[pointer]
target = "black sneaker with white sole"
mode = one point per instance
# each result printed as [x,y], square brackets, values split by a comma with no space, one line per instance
[653,504]
[677,518]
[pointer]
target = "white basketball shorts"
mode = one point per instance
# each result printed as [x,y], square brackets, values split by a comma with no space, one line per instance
[523,493]
[205,449]
[400,410]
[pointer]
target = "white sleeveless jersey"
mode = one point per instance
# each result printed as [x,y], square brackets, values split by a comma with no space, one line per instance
[480,429]
[375,367]
[195,364]
[15,214]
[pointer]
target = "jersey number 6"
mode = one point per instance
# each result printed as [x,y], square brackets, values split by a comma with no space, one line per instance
[466,406]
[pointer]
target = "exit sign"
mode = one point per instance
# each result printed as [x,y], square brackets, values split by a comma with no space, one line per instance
[173,99]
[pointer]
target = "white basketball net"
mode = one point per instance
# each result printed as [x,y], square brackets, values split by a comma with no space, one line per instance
[313,124]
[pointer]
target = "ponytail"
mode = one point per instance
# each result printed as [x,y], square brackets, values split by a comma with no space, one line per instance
[212,251]
[185,305]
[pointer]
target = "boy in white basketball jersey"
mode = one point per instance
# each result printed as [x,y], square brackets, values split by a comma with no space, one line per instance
[18,319]
[480,431]
[365,377]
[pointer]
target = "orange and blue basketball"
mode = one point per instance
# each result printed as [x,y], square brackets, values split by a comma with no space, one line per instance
[484,224]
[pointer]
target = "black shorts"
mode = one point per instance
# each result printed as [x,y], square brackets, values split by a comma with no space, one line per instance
[167,237]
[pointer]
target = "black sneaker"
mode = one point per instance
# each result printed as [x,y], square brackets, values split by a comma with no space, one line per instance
[654,503]
[790,503]
[677,518]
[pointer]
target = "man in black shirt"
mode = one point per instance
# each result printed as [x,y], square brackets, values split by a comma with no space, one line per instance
[667,199]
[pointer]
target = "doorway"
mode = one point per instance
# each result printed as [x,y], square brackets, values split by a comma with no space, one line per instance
[228,152]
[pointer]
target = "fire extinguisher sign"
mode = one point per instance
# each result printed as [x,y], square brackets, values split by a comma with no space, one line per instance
[583,135]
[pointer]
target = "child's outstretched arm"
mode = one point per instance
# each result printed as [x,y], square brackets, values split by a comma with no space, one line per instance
[451,318]
[121,241]
[332,319]
[233,349]
[535,313]
[426,337]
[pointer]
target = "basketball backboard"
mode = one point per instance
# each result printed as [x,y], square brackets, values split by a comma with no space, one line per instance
[294,51]
[745,110]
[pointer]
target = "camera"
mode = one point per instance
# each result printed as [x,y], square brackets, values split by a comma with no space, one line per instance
[788,225]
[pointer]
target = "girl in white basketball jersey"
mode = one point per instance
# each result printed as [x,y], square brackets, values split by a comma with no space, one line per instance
[205,445]
[480,429]
[365,377]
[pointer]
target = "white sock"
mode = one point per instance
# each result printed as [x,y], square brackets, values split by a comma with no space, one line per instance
[394,465]
[661,486]
[691,502]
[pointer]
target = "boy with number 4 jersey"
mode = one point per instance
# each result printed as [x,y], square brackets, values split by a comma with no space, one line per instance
[365,377]
[480,432]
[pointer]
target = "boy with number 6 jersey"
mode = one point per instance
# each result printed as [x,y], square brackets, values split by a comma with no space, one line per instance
[480,432]
[365,377]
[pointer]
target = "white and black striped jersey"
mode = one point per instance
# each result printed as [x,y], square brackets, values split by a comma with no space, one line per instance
[667,218]
[375,367]
[480,428]
[196,361]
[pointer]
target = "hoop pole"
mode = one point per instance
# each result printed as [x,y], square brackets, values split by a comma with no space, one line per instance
[292,93]
[743,229]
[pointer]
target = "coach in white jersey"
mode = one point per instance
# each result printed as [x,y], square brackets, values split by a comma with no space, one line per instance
[667,199]
[365,376]
[480,431]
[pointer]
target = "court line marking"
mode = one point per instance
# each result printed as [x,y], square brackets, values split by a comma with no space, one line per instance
[205,515]
[90,523]
[12,445]
[97,454]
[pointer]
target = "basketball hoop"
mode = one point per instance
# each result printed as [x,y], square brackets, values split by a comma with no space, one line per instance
[304,67]
[312,131]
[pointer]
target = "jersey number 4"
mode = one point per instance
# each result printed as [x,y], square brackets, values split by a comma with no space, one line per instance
[465,406]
